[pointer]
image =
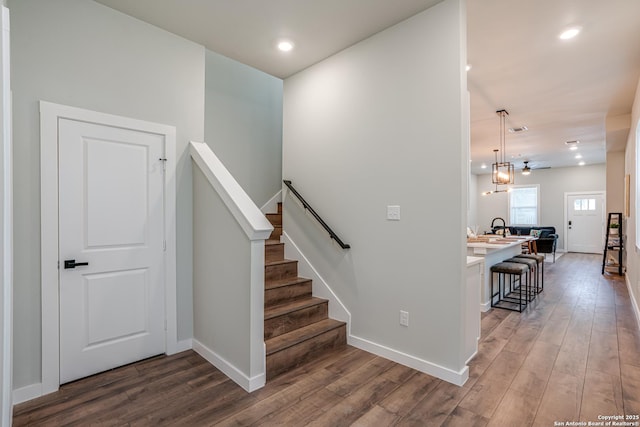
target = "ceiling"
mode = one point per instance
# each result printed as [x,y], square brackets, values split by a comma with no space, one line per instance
[562,90]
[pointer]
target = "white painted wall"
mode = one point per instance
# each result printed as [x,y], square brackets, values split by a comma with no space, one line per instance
[243,124]
[631,167]
[615,181]
[554,183]
[6,225]
[472,214]
[382,123]
[80,53]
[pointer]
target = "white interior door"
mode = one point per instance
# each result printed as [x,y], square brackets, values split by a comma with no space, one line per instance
[585,223]
[112,310]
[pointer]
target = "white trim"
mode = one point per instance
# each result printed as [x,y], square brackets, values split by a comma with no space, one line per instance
[257,349]
[6,358]
[566,213]
[253,222]
[49,115]
[446,374]
[26,393]
[272,205]
[634,303]
[321,289]
[184,345]
[247,383]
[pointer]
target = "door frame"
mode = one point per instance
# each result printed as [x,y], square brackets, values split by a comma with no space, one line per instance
[566,210]
[50,114]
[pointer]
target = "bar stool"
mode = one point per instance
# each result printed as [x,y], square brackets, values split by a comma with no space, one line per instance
[540,261]
[517,275]
[532,279]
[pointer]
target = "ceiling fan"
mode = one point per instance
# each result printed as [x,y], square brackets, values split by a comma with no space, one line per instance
[526,170]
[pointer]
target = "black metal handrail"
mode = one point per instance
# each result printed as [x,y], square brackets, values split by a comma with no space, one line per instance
[308,207]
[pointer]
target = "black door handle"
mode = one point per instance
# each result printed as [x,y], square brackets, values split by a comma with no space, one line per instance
[71,263]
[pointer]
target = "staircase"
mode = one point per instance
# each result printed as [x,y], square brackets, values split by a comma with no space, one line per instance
[297,328]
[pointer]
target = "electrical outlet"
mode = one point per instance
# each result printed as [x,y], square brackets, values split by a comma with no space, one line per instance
[393,213]
[404,318]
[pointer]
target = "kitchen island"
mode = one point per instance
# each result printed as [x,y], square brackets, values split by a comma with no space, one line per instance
[493,250]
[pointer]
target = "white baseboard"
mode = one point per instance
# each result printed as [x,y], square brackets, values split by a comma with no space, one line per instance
[634,301]
[272,205]
[249,384]
[321,288]
[485,306]
[453,377]
[26,393]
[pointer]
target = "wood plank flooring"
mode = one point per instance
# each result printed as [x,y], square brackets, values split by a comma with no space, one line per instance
[572,355]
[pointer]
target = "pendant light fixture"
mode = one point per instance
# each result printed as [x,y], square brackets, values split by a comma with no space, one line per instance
[502,172]
[526,170]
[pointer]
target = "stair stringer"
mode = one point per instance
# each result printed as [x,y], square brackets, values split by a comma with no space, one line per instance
[320,288]
[272,204]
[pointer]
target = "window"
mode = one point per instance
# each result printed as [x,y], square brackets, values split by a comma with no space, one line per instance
[523,205]
[584,205]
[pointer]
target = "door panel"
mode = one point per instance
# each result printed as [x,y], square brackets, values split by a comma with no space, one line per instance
[116,212]
[111,217]
[586,223]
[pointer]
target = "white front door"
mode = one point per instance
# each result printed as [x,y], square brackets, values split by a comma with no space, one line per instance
[585,223]
[111,186]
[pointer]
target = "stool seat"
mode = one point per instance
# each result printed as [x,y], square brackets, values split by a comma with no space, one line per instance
[510,268]
[538,258]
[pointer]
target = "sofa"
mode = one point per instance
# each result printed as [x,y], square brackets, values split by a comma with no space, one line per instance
[547,241]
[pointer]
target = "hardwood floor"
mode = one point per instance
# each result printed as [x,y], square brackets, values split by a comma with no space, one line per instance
[572,355]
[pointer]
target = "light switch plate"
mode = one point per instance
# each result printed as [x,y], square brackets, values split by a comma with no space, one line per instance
[393,213]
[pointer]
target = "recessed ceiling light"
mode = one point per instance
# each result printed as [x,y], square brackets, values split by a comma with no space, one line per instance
[285,45]
[518,129]
[581,163]
[569,33]
[573,145]
[578,156]
[468,67]
[484,166]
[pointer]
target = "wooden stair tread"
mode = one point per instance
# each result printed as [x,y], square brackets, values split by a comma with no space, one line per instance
[279,310]
[279,262]
[272,284]
[270,242]
[297,336]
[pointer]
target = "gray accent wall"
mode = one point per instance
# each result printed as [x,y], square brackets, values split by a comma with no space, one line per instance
[83,54]
[382,123]
[243,124]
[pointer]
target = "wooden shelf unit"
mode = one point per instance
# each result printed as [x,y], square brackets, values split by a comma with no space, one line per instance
[613,243]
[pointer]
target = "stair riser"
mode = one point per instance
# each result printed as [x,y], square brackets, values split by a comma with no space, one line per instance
[274,252]
[296,355]
[281,271]
[294,320]
[287,293]
[275,219]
